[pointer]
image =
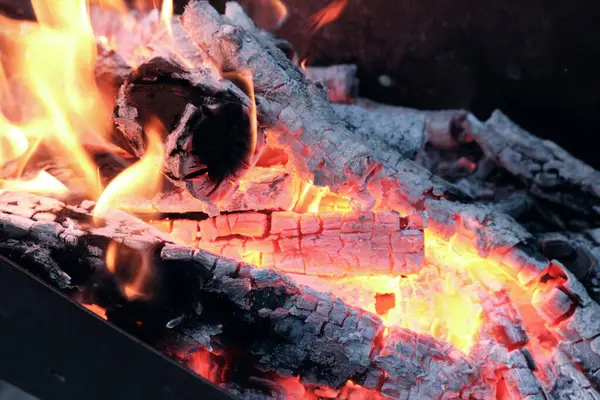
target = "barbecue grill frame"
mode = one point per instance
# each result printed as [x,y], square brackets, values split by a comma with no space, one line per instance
[53,348]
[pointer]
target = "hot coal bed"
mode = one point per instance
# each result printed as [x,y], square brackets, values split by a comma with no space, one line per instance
[261,225]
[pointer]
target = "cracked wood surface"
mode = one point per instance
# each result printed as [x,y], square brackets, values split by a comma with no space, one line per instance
[293,330]
[309,123]
[327,244]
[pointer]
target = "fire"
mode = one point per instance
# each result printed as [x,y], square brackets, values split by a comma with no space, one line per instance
[280,10]
[326,15]
[111,257]
[166,15]
[142,177]
[42,183]
[303,64]
[118,5]
[96,309]
[137,272]
[52,61]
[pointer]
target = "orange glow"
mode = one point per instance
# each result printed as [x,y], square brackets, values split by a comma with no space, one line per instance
[280,10]
[96,309]
[201,363]
[277,10]
[53,62]
[326,15]
[134,288]
[118,5]
[143,177]
[111,257]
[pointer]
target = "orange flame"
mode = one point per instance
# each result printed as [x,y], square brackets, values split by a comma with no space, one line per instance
[326,15]
[118,5]
[143,177]
[303,64]
[111,257]
[280,9]
[135,289]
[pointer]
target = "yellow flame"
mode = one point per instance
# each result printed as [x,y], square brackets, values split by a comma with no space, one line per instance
[43,183]
[53,62]
[142,178]
[303,64]
[166,15]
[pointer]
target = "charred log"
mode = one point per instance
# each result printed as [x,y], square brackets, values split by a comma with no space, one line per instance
[549,172]
[287,328]
[579,252]
[211,137]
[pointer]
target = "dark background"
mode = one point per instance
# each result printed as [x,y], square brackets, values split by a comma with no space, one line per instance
[537,60]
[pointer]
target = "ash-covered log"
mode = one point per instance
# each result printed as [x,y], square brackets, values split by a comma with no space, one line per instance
[287,328]
[390,136]
[340,80]
[496,161]
[308,122]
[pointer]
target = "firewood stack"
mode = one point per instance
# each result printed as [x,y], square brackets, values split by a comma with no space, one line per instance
[261,168]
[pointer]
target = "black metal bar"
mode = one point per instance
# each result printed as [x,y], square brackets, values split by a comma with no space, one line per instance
[53,348]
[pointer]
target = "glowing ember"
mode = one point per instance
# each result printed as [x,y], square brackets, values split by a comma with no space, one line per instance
[308,231]
[99,311]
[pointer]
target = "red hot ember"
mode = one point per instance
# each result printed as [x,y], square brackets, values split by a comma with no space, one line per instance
[351,270]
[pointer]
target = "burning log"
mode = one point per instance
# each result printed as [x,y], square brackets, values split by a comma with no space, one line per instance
[327,244]
[213,139]
[332,158]
[579,252]
[290,329]
[323,150]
